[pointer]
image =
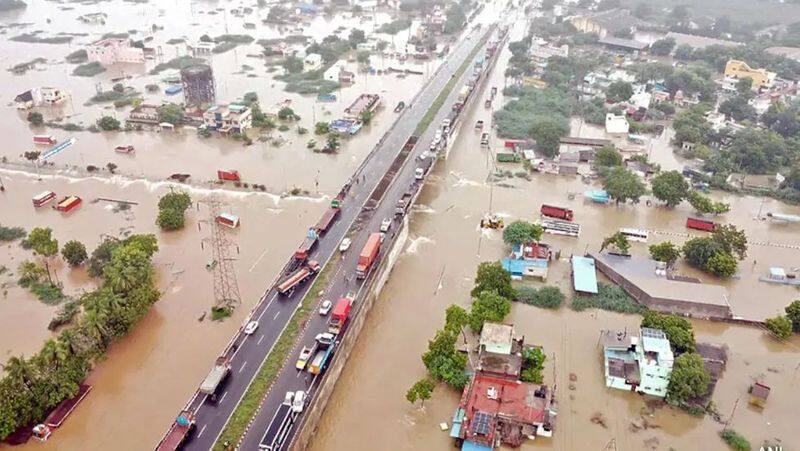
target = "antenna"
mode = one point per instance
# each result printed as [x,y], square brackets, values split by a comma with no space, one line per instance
[226,287]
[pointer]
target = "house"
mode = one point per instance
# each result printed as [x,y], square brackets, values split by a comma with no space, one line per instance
[639,364]
[622,44]
[339,74]
[496,338]
[758,394]
[114,50]
[762,78]
[610,22]
[542,50]
[755,182]
[616,125]
[312,61]
[24,101]
[698,42]
[760,103]
[144,114]
[201,47]
[233,118]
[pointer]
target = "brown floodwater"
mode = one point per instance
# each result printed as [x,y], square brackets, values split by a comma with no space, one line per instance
[368,409]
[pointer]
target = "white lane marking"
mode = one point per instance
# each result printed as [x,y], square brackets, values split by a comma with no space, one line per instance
[259,340]
[276,316]
[243,365]
[223,396]
[258,260]
[267,306]
[202,430]
[299,373]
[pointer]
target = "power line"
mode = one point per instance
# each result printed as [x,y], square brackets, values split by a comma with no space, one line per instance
[226,287]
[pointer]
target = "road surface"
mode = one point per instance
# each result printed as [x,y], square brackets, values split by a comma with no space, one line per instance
[273,312]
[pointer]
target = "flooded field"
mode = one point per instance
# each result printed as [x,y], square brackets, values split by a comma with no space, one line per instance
[368,409]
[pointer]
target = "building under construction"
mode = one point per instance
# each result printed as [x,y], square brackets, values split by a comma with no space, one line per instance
[198,84]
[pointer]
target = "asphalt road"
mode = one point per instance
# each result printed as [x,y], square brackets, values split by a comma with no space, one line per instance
[274,311]
[290,379]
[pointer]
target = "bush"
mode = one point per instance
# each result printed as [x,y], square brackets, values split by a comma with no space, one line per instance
[35,118]
[544,297]
[170,219]
[218,314]
[108,123]
[11,233]
[608,297]
[781,326]
[734,440]
[74,252]
[89,69]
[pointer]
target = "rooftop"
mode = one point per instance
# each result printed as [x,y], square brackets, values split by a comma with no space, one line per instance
[494,334]
[584,274]
[616,19]
[699,42]
[621,42]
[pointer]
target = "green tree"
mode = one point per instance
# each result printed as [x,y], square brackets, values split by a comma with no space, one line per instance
[689,378]
[619,241]
[522,232]
[698,251]
[74,252]
[455,318]
[35,118]
[488,306]
[608,156]
[366,117]
[42,242]
[678,330]
[670,187]
[170,219]
[422,390]
[292,65]
[443,360]
[286,114]
[333,142]
[492,277]
[108,123]
[744,86]
[793,313]
[545,297]
[665,252]
[662,47]
[738,109]
[781,326]
[619,91]
[321,128]
[101,256]
[532,365]
[735,441]
[721,264]
[623,185]
[705,205]
[178,200]
[548,132]
[731,240]
[171,113]
[356,37]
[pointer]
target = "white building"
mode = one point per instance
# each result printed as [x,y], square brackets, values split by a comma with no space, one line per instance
[114,50]
[44,96]
[541,49]
[616,125]
[312,61]
[638,363]
[233,118]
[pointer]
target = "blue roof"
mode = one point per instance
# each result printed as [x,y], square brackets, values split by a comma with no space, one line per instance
[517,267]
[458,418]
[583,274]
[471,446]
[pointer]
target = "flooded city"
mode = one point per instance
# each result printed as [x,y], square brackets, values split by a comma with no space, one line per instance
[457,143]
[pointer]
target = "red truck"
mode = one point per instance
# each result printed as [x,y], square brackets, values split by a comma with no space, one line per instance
[177,434]
[339,315]
[327,219]
[700,224]
[288,286]
[556,212]
[68,204]
[229,175]
[368,255]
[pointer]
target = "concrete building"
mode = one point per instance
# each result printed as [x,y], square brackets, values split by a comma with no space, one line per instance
[543,50]
[496,338]
[617,125]
[114,50]
[640,363]
[762,78]
[646,282]
[144,114]
[233,118]
[44,96]
[609,22]
[312,61]
[198,84]
[698,42]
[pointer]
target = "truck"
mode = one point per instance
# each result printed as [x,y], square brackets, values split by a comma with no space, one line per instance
[339,315]
[44,140]
[326,220]
[222,367]
[556,212]
[288,286]
[304,251]
[463,94]
[368,255]
[279,427]
[700,224]
[325,344]
[229,175]
[177,434]
[403,203]
[68,203]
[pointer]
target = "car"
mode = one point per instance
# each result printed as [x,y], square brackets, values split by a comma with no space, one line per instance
[419,173]
[251,327]
[434,147]
[345,244]
[299,401]
[325,307]
[383,236]
[446,122]
[386,224]
[288,398]
[485,139]
[325,338]
[302,359]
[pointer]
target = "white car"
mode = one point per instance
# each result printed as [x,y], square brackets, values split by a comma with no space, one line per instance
[445,122]
[325,307]
[288,398]
[386,224]
[419,173]
[302,359]
[383,236]
[345,244]
[299,401]
[251,327]
[325,338]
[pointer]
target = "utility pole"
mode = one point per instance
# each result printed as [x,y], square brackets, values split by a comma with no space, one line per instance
[226,287]
[730,418]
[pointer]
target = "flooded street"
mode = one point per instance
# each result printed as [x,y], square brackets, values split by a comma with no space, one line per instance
[368,409]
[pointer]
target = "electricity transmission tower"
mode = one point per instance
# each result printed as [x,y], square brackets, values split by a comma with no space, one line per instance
[226,288]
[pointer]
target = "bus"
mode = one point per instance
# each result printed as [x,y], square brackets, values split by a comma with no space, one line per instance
[43,198]
[639,235]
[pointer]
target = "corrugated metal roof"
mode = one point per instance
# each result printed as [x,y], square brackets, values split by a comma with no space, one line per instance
[584,275]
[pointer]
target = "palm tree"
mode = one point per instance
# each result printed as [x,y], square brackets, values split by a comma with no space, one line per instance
[20,371]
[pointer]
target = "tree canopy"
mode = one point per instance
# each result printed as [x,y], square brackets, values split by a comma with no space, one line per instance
[670,187]
[488,306]
[678,330]
[665,252]
[623,185]
[492,277]
[689,378]
[522,232]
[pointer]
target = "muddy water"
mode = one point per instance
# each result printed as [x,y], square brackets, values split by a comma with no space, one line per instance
[368,409]
[148,375]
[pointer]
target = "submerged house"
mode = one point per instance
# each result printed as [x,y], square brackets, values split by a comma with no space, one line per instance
[233,118]
[638,363]
[44,96]
[114,50]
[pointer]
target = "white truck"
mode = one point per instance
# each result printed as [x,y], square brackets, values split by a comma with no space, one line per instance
[222,367]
